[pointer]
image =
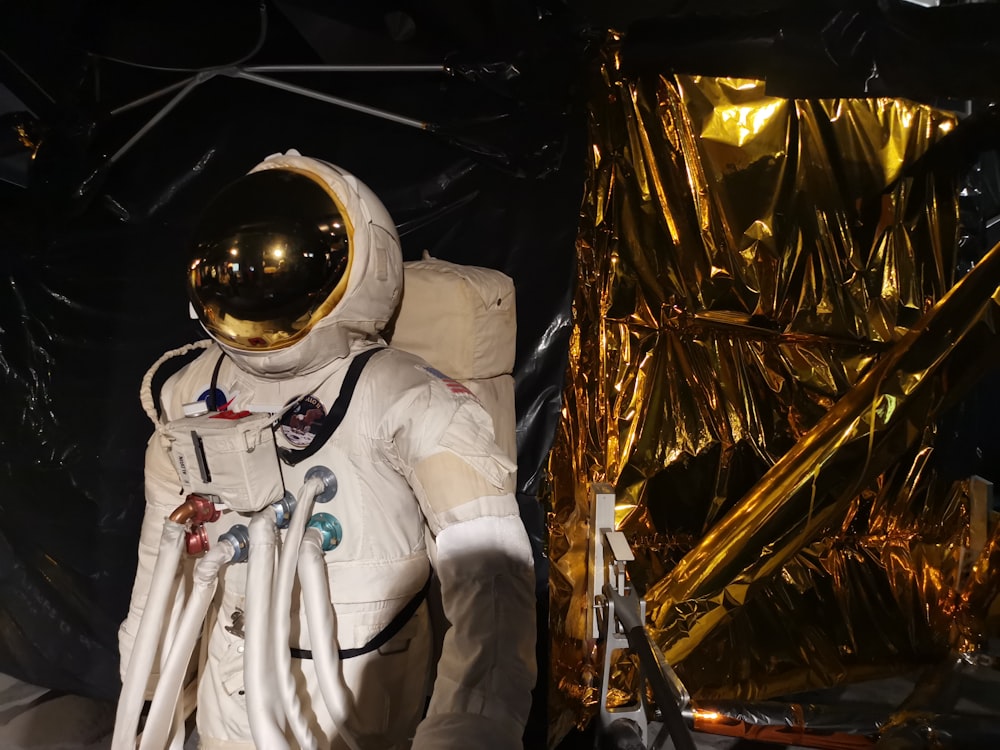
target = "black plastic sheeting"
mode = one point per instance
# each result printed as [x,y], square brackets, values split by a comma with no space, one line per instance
[821,48]
[93,247]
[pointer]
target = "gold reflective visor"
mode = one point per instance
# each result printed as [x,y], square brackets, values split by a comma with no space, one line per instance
[270,258]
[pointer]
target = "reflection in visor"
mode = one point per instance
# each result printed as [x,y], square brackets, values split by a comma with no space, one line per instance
[271,257]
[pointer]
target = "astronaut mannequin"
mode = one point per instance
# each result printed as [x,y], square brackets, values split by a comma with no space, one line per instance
[296,271]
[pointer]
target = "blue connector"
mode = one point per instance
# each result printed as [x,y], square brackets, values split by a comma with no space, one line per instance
[329,527]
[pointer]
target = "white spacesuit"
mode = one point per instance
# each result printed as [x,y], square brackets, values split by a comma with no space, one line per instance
[296,272]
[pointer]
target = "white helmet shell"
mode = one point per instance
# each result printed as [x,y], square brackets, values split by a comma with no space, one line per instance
[373,289]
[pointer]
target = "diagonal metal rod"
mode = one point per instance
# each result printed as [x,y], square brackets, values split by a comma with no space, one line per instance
[24,74]
[320,96]
[436,68]
[151,96]
[188,88]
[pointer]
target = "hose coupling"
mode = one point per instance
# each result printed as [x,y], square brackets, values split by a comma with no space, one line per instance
[329,480]
[329,528]
[284,509]
[196,539]
[197,509]
[239,537]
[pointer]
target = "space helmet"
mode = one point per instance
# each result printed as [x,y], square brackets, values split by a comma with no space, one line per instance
[292,264]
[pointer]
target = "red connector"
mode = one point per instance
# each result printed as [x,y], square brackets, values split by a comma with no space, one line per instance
[196,539]
[196,509]
[194,512]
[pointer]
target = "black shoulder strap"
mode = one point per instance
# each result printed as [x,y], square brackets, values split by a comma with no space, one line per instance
[337,411]
[210,401]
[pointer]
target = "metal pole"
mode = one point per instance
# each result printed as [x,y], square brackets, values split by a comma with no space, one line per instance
[150,97]
[188,87]
[337,101]
[436,68]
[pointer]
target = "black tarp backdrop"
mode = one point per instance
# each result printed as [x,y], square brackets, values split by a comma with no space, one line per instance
[93,251]
[90,253]
[823,48]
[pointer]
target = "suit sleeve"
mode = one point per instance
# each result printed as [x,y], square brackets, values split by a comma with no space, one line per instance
[482,694]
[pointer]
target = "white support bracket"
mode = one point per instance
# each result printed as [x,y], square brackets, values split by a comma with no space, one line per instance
[618,620]
[602,520]
[607,577]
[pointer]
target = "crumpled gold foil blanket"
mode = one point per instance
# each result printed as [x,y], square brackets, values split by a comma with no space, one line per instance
[743,261]
[801,513]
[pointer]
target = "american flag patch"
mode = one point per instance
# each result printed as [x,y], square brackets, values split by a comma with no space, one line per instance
[453,385]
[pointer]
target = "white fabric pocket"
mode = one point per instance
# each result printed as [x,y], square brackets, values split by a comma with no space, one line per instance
[229,456]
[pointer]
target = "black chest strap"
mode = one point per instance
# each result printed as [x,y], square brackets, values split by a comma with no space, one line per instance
[383,636]
[337,412]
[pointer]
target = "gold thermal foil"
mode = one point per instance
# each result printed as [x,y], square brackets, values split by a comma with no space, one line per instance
[809,495]
[744,263]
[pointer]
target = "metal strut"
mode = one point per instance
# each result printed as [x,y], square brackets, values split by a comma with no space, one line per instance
[618,622]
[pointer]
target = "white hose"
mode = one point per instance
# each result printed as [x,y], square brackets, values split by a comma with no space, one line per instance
[156,733]
[281,615]
[177,728]
[323,634]
[258,669]
[147,639]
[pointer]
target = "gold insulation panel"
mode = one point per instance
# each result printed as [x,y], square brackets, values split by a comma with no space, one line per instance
[755,367]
